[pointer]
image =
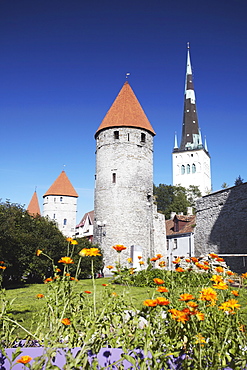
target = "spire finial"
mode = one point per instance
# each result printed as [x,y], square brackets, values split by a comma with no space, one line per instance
[188,45]
[127,75]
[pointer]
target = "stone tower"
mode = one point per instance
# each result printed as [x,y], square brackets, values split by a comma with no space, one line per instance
[60,204]
[191,161]
[123,202]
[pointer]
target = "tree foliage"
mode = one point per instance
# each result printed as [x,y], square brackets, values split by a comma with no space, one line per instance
[239,181]
[175,198]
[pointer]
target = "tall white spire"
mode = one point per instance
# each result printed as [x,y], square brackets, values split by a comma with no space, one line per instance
[175,141]
[188,69]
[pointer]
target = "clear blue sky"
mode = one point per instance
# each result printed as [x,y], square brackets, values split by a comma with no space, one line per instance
[62,63]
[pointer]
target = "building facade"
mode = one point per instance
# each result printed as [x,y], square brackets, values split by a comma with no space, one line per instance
[191,160]
[123,201]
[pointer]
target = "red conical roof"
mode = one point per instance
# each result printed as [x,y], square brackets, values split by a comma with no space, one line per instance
[33,207]
[62,186]
[126,111]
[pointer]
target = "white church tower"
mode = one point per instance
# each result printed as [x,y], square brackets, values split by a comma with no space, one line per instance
[191,160]
[60,204]
[123,202]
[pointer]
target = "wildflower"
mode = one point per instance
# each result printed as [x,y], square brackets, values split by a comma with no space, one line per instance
[161,301]
[158,281]
[159,256]
[132,270]
[229,273]
[213,255]
[139,257]
[217,278]
[104,284]
[74,242]
[199,265]
[179,269]
[142,263]
[153,259]
[69,239]
[230,281]
[219,269]
[177,260]
[194,259]
[38,252]
[162,289]
[219,259]
[57,270]
[24,359]
[199,339]
[244,276]
[242,328]
[67,274]
[3,267]
[66,321]
[186,297]
[1,262]
[192,304]
[230,305]
[114,294]
[89,252]
[235,292]
[162,263]
[150,302]
[200,315]
[87,291]
[129,260]
[119,248]
[205,268]
[40,295]
[179,316]
[208,294]
[48,280]
[206,263]
[72,278]
[221,285]
[109,267]
[66,260]
[187,260]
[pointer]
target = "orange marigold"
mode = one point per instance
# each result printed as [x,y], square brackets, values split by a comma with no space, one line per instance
[221,285]
[40,295]
[213,255]
[119,248]
[200,316]
[66,321]
[24,359]
[153,259]
[187,260]
[66,260]
[87,291]
[48,280]
[235,292]
[192,304]
[150,302]
[244,276]
[104,284]
[179,316]
[229,273]
[219,259]
[186,297]
[162,263]
[141,262]
[230,305]
[217,278]
[208,294]
[109,267]
[3,267]
[161,301]
[179,269]
[39,252]
[129,260]
[159,256]
[230,281]
[219,269]
[139,257]
[162,289]
[158,281]
[177,260]
[194,259]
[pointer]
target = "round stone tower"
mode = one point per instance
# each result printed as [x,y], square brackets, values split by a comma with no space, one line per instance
[123,203]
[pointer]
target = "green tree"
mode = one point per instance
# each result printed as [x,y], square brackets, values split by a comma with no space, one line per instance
[239,181]
[224,185]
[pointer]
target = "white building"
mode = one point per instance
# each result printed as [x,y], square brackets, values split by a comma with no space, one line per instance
[85,227]
[60,204]
[191,160]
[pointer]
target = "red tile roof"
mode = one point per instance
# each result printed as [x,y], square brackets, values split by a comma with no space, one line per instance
[33,207]
[62,186]
[126,111]
[90,216]
[189,221]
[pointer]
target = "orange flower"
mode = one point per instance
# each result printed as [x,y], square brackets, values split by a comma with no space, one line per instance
[177,260]
[244,276]
[132,270]
[66,321]
[69,239]
[74,242]
[119,248]
[208,294]
[67,274]
[219,269]
[150,302]
[139,257]
[142,263]
[162,263]
[230,305]
[66,260]
[179,316]
[199,265]
[192,304]
[109,267]
[89,252]
[205,268]
[3,267]
[187,260]
[213,255]
[104,284]
[129,260]
[179,269]
[217,278]
[230,281]
[40,295]
[221,285]
[194,259]
[206,263]
[57,270]
[153,259]
[87,291]
[230,273]
[219,259]
[48,280]
[162,289]
[158,281]
[186,297]
[24,359]
[161,301]
[159,256]
[114,294]
[200,316]
[72,278]
[235,292]
[1,262]
[38,252]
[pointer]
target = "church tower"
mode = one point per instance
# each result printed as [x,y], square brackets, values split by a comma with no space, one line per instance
[60,204]
[123,201]
[191,160]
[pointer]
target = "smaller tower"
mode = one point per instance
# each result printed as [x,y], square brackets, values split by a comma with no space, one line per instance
[33,207]
[60,204]
[191,161]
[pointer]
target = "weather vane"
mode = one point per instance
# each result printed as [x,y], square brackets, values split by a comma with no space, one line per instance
[127,75]
[188,45]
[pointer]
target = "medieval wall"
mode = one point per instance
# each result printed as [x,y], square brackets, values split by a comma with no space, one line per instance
[221,225]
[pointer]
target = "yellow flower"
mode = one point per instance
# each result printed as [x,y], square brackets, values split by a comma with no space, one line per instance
[141,262]
[219,269]
[230,305]
[3,267]
[109,267]
[89,252]
[186,297]
[200,339]
[66,321]
[129,260]
[217,278]
[66,260]
[192,304]
[69,239]
[208,294]
[38,252]
[200,315]
[74,242]
[119,248]
[244,276]
[24,359]
[221,285]
[150,302]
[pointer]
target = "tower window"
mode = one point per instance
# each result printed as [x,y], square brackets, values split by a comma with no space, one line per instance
[54,216]
[188,168]
[114,175]
[116,134]
[182,170]
[55,200]
[61,199]
[193,168]
[65,221]
[143,138]
[128,137]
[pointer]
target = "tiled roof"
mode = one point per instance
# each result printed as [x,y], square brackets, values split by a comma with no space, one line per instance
[126,111]
[62,186]
[33,207]
[88,214]
[187,228]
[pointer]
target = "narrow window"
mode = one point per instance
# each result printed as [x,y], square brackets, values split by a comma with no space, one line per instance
[182,170]
[188,168]
[143,138]
[54,216]
[65,221]
[193,168]
[114,178]
[55,200]
[116,134]
[61,199]
[175,244]
[128,137]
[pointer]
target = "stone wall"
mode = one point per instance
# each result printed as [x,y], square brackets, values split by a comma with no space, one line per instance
[221,225]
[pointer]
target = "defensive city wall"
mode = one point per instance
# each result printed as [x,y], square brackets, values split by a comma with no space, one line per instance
[221,226]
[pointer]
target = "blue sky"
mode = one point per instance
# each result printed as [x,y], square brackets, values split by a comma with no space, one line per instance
[62,63]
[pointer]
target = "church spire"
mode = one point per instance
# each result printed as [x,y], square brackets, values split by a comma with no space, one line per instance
[190,131]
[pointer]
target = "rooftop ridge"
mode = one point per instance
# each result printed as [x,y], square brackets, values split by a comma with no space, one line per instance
[62,186]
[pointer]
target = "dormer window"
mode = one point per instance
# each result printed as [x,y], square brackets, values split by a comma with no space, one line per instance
[143,138]
[116,135]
